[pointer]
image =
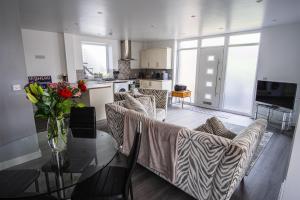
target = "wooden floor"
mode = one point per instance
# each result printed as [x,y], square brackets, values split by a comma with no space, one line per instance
[263,182]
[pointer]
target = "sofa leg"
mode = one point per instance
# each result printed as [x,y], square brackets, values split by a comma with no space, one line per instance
[243,180]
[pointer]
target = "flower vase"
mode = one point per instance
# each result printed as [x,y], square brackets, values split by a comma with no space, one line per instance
[57,134]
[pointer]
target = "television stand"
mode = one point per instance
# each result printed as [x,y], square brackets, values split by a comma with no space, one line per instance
[286,119]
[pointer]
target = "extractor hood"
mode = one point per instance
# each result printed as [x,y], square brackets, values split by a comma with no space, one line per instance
[126,50]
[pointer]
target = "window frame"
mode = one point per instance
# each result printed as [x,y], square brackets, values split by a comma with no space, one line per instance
[106,50]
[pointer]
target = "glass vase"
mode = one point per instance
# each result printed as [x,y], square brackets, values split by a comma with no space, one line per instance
[57,134]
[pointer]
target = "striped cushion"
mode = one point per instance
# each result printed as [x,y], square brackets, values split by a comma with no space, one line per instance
[215,126]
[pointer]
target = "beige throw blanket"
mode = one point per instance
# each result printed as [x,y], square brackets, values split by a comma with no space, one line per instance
[158,144]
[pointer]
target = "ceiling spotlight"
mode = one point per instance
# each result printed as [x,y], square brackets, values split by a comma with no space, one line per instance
[193,16]
[99,12]
[259,1]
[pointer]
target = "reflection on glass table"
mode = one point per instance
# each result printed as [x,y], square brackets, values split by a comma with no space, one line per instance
[82,158]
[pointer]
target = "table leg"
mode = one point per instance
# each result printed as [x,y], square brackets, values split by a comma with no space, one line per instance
[182,101]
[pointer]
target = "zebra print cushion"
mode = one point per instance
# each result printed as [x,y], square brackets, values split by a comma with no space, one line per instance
[215,126]
[205,128]
[219,129]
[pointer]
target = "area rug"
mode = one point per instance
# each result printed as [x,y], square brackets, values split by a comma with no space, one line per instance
[207,111]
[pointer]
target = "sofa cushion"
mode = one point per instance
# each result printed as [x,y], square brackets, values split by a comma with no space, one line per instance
[216,127]
[134,104]
[160,114]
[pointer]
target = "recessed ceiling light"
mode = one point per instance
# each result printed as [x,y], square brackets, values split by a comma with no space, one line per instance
[100,12]
[274,20]
[221,28]
[193,16]
[259,1]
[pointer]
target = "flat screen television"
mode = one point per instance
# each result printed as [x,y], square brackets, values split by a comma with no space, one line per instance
[276,93]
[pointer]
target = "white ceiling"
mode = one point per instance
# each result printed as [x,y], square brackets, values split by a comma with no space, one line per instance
[155,19]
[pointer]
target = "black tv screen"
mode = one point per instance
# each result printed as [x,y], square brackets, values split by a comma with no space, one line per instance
[276,93]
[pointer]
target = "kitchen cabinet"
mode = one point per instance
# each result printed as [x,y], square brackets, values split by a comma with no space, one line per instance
[156,84]
[156,58]
[98,95]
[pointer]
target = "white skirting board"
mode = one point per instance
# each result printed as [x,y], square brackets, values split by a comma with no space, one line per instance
[20,160]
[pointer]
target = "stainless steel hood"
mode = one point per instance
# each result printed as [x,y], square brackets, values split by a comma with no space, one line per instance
[126,50]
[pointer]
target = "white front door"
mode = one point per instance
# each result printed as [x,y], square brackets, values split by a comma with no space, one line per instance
[209,77]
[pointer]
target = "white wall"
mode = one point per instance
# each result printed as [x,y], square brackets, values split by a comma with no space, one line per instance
[74,55]
[279,57]
[47,44]
[290,189]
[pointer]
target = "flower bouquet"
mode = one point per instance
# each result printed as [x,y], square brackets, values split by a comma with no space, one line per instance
[55,103]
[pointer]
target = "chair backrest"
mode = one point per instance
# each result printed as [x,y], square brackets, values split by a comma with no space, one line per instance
[83,122]
[133,156]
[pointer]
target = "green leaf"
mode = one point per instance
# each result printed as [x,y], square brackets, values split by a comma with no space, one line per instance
[80,105]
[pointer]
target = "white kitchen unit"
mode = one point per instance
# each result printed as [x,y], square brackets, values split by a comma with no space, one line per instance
[136,48]
[97,96]
[156,84]
[156,58]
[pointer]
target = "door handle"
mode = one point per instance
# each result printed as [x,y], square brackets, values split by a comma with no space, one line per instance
[217,74]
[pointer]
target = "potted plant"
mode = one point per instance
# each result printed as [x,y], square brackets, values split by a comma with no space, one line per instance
[54,104]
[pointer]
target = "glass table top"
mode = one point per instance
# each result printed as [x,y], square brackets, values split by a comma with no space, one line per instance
[82,158]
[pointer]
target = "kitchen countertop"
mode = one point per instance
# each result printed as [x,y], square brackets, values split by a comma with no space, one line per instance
[153,79]
[97,85]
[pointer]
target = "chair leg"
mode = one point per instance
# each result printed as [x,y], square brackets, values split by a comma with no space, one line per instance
[131,191]
[47,182]
[36,183]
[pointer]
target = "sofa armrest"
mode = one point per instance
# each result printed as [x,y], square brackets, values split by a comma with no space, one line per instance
[236,161]
[115,121]
[199,154]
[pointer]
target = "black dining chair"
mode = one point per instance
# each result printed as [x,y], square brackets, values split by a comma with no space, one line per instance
[15,182]
[83,122]
[111,182]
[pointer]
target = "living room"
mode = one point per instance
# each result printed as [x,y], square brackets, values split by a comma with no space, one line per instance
[214,87]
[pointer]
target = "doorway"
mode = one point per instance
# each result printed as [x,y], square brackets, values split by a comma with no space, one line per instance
[209,77]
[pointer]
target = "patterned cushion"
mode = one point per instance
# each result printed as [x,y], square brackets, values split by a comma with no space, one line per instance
[205,128]
[219,128]
[215,126]
[133,104]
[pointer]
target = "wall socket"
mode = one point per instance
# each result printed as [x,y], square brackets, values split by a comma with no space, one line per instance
[16,87]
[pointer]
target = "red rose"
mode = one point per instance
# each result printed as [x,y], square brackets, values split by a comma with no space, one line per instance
[82,88]
[65,93]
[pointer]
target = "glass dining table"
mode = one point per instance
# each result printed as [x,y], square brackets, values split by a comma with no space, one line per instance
[61,171]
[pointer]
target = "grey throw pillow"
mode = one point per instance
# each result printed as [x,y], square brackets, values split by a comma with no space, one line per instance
[134,104]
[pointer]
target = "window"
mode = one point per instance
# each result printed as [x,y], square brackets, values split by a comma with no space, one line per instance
[187,66]
[213,42]
[240,78]
[94,57]
[244,39]
[188,44]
